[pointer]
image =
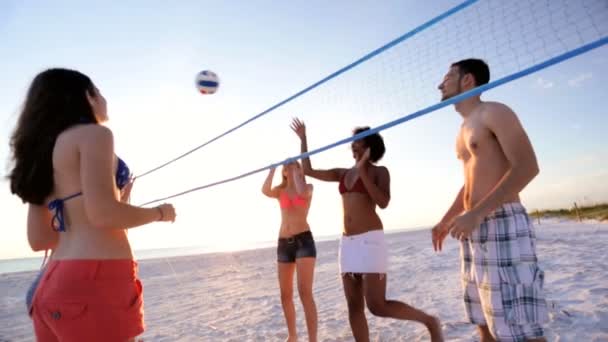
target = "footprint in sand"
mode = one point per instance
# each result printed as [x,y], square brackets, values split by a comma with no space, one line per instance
[560,313]
[599,291]
[602,320]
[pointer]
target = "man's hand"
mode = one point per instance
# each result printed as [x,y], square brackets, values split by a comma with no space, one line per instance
[463,225]
[439,232]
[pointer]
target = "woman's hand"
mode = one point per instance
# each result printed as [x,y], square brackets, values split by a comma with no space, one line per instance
[299,128]
[362,163]
[125,193]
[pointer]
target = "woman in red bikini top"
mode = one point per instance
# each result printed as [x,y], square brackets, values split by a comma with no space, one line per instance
[363,187]
[363,255]
[296,248]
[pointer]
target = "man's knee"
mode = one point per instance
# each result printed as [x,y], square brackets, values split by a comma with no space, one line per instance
[528,332]
[484,333]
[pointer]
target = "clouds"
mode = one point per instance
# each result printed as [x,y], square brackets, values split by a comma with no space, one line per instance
[580,79]
[542,83]
[574,82]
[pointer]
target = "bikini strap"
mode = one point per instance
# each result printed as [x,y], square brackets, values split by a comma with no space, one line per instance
[57,205]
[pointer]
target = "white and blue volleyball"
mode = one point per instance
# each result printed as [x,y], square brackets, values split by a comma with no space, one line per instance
[207,82]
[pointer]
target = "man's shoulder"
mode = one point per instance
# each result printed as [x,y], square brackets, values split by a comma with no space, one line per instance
[491,111]
[495,107]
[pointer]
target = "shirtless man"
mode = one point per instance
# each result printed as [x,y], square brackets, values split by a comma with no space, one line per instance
[502,283]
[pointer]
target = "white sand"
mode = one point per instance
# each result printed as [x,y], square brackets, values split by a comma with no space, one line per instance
[235,296]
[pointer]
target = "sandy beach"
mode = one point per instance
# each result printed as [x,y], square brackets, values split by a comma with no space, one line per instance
[235,296]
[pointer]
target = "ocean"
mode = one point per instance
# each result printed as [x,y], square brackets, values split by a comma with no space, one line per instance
[34,263]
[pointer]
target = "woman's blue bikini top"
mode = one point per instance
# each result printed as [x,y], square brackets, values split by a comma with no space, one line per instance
[123,175]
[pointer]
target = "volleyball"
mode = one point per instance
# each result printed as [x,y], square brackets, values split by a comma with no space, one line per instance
[207,82]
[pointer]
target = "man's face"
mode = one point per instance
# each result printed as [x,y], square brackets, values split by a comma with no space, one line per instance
[450,86]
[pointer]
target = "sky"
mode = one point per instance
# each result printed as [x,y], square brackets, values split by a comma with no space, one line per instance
[144,56]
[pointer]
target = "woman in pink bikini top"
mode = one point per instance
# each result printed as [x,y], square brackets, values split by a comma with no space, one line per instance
[296,250]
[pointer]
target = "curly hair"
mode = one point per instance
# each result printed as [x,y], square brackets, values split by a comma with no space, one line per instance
[56,100]
[374,142]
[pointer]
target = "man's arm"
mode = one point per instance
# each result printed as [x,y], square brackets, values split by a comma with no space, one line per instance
[456,208]
[441,230]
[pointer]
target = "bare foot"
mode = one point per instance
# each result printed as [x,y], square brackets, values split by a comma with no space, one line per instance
[291,339]
[434,327]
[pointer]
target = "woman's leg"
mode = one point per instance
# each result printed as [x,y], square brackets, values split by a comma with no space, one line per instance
[353,290]
[286,271]
[306,269]
[374,288]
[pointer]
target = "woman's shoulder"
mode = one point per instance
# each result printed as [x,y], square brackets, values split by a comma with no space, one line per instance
[90,133]
[380,169]
[94,129]
[87,137]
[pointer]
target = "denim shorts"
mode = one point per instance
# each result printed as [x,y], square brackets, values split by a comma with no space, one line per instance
[298,246]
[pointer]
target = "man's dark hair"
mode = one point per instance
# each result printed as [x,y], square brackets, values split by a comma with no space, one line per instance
[476,67]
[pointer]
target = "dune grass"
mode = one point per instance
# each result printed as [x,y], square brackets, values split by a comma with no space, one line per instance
[593,212]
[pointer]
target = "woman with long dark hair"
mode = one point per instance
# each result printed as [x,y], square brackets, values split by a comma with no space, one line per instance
[65,169]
